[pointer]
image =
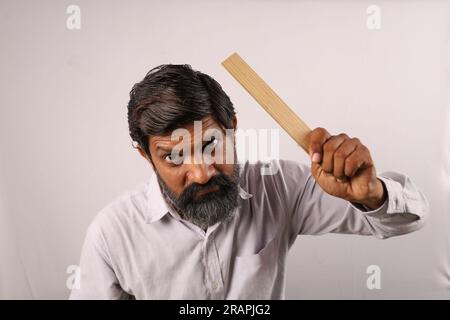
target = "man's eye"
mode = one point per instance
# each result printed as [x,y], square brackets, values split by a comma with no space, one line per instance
[173,158]
[212,142]
[168,157]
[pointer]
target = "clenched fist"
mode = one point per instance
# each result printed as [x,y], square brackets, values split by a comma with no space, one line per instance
[343,167]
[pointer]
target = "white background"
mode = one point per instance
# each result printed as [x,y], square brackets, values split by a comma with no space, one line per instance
[65,150]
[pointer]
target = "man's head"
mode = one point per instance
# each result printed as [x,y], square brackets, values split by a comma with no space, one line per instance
[170,98]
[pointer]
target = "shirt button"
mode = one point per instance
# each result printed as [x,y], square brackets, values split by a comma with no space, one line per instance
[215,286]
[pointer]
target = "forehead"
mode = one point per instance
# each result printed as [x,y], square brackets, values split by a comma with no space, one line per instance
[166,140]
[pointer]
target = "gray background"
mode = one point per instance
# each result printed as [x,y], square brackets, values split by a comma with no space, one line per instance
[65,150]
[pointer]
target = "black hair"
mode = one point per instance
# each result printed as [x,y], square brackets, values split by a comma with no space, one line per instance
[171,96]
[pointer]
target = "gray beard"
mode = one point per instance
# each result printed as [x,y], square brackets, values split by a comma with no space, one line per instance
[209,208]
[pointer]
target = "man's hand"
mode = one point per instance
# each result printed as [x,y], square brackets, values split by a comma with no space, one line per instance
[343,167]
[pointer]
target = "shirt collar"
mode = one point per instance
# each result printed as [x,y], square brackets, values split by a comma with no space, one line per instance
[157,207]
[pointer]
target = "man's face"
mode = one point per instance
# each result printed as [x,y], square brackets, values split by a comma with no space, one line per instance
[202,189]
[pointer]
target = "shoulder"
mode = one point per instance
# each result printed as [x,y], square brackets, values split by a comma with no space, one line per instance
[280,173]
[277,184]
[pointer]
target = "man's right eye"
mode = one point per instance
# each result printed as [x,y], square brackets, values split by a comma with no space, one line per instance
[174,158]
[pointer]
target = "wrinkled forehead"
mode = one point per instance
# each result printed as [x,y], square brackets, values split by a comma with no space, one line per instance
[194,131]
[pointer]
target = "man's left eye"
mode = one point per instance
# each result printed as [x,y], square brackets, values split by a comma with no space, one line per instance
[212,142]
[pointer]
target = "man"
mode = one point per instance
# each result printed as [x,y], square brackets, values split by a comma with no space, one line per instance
[213,229]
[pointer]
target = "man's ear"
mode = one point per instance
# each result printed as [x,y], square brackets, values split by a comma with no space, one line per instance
[234,122]
[142,152]
[144,155]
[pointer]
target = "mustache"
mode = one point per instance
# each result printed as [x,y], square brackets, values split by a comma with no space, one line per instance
[211,207]
[222,181]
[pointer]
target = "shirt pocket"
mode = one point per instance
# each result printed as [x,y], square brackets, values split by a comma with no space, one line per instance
[256,276]
[261,257]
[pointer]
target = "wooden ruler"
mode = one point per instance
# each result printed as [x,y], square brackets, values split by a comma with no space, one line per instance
[268,99]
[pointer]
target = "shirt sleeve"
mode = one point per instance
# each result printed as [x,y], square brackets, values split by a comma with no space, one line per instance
[315,212]
[98,280]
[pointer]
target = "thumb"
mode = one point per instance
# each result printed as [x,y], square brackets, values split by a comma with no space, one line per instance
[315,152]
[317,138]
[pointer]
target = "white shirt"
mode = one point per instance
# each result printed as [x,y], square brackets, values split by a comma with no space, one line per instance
[137,248]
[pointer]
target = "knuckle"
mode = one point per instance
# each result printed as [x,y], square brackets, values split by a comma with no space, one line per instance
[339,154]
[364,148]
[350,163]
[320,133]
[328,146]
[320,130]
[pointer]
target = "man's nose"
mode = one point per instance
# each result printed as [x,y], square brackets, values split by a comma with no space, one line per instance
[200,173]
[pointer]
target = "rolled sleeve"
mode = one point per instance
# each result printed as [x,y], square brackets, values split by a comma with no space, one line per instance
[404,210]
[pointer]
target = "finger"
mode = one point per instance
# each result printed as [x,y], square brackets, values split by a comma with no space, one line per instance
[317,138]
[316,170]
[342,152]
[329,149]
[359,159]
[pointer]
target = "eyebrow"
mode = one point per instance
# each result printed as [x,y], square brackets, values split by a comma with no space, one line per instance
[161,149]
